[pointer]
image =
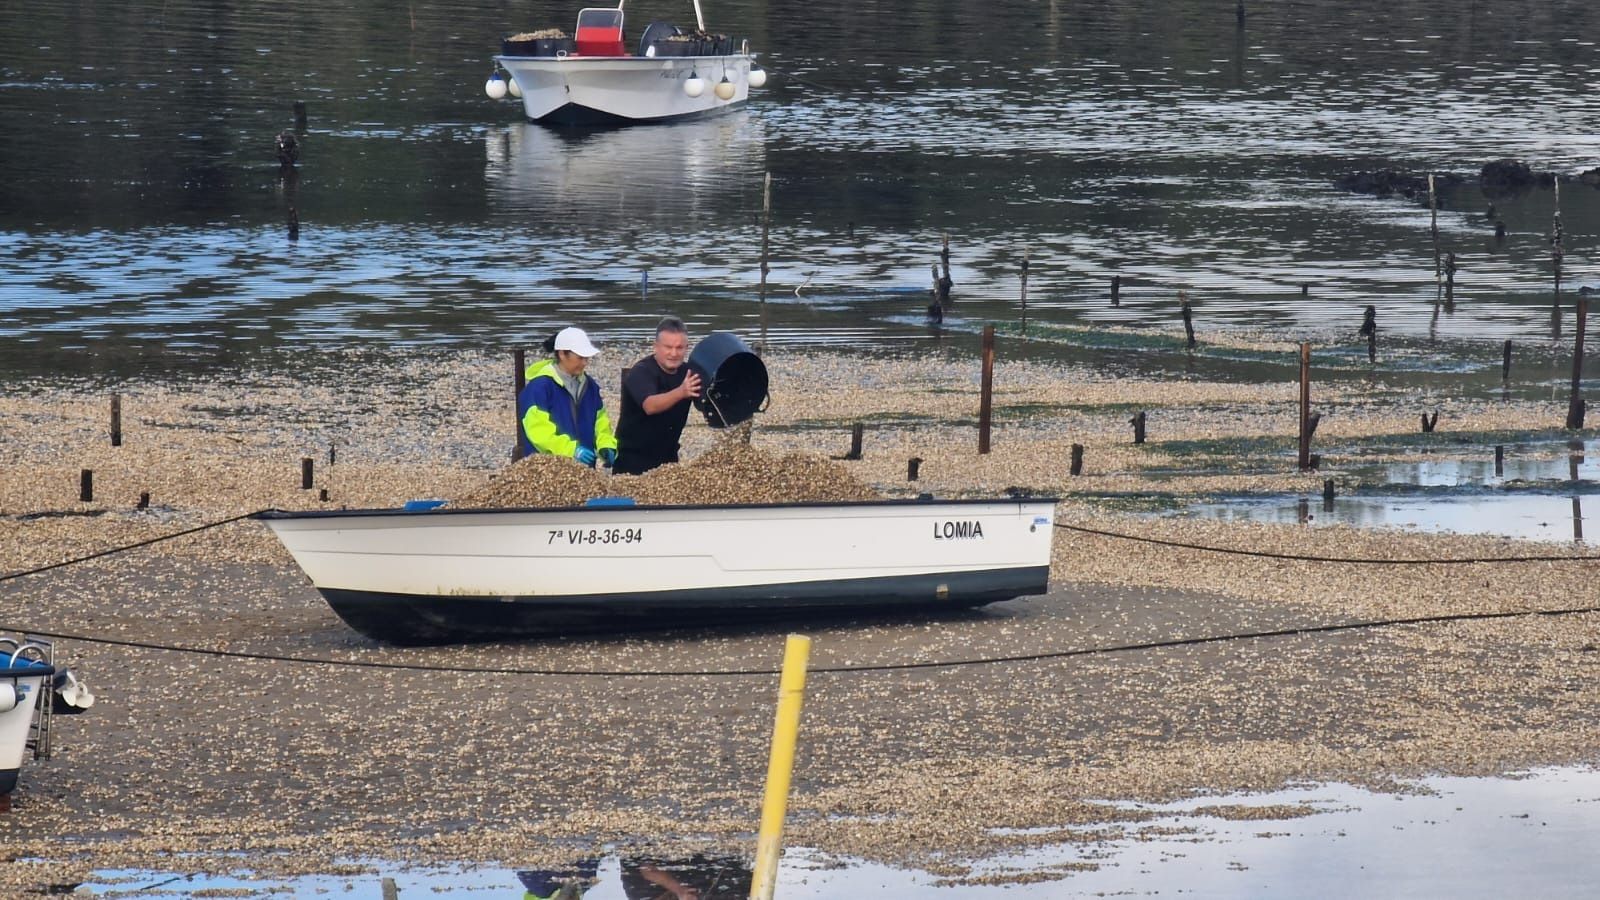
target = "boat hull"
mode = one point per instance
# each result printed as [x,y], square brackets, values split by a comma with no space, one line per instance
[444,575]
[20,693]
[601,90]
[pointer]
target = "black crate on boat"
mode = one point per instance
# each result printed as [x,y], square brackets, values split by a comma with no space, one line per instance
[676,48]
[538,47]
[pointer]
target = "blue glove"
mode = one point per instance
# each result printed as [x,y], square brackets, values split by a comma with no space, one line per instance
[608,457]
[583,455]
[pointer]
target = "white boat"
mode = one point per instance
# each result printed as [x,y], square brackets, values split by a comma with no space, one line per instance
[596,78]
[24,671]
[474,574]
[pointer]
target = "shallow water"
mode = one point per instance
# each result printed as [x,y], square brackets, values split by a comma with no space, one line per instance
[1528,516]
[1449,837]
[142,208]
[1535,492]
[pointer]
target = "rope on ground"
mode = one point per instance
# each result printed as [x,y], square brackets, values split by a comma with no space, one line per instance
[134,546]
[1327,559]
[820,670]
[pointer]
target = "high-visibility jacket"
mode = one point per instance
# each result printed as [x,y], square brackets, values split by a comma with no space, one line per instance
[553,422]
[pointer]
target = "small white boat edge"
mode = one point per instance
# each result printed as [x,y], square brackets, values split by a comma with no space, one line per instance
[449,574]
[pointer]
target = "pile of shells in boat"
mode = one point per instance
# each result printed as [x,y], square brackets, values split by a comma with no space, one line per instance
[540,35]
[732,471]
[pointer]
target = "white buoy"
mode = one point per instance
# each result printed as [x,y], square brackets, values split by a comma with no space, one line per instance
[495,87]
[724,89]
[695,86]
[513,88]
[758,76]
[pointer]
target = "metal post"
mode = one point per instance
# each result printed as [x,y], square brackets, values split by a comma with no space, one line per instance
[1024,291]
[986,398]
[1305,405]
[766,225]
[1575,400]
[519,359]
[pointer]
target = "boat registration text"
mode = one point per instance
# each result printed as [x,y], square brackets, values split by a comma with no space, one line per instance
[579,536]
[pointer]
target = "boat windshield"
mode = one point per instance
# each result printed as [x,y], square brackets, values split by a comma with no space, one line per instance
[599,32]
[601,20]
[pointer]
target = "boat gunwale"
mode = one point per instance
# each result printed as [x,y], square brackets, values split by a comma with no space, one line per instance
[284,514]
[574,57]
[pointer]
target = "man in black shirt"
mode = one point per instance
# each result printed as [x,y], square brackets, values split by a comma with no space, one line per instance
[656,393]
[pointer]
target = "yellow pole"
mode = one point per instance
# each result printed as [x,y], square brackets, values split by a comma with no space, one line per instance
[791,694]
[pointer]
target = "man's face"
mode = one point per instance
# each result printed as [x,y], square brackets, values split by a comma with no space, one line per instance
[670,349]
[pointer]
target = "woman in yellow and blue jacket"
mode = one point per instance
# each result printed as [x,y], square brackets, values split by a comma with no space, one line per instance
[560,408]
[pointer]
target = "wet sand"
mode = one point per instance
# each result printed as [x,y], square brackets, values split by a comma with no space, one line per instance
[301,766]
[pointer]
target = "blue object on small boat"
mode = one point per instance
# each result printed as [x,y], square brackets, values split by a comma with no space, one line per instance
[610,501]
[420,505]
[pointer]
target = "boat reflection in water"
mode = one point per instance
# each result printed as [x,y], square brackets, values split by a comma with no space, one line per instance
[665,176]
[641,877]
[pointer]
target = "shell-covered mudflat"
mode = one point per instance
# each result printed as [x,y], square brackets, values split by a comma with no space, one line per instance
[189,757]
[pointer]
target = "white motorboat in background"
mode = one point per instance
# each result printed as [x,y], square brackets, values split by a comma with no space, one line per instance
[480,574]
[592,78]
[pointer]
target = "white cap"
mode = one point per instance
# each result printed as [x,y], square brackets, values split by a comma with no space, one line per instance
[575,340]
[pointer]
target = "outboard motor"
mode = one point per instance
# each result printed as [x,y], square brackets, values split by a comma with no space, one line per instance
[71,695]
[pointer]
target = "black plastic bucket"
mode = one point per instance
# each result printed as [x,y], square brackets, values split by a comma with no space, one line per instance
[733,379]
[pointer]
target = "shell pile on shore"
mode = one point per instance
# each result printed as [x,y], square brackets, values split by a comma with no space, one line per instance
[732,471]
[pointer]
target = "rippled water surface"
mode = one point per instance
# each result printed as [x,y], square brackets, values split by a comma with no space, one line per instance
[142,209]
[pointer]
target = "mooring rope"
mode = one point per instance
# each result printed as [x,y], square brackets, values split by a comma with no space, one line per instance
[1355,560]
[133,546]
[1327,628]
[886,667]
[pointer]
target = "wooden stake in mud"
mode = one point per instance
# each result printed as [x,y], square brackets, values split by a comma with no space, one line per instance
[1024,291]
[986,398]
[300,116]
[306,479]
[1428,422]
[942,283]
[1188,319]
[912,465]
[1369,330]
[1077,459]
[519,359]
[1327,492]
[1499,460]
[1116,290]
[1305,406]
[1505,363]
[766,227]
[1575,400]
[1450,281]
[857,431]
[116,420]
[1138,426]
[1433,211]
[86,485]
[144,500]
